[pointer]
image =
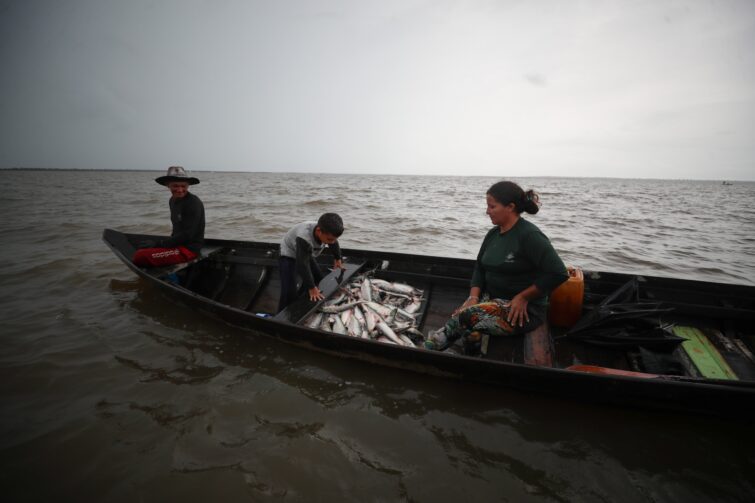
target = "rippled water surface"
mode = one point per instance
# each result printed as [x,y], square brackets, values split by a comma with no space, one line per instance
[112,393]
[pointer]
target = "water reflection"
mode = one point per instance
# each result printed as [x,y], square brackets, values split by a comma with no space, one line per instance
[288,418]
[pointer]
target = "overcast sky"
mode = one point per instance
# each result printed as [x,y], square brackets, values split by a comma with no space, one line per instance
[502,88]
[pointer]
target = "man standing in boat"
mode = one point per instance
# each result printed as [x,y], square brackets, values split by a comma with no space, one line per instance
[187,217]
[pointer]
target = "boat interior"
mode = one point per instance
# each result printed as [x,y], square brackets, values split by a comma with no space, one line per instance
[624,323]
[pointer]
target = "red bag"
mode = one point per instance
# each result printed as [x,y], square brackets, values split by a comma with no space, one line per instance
[158,257]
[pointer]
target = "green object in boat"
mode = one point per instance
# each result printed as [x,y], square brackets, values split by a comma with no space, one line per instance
[704,354]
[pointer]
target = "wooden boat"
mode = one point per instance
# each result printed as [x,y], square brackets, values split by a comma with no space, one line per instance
[714,371]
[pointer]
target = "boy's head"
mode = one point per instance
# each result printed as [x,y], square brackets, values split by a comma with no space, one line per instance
[329,228]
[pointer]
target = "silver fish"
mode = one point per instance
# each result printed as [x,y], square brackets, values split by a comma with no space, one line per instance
[366,290]
[395,294]
[339,308]
[371,319]
[372,308]
[355,328]
[407,341]
[325,323]
[396,287]
[338,326]
[334,300]
[359,314]
[415,332]
[401,327]
[404,314]
[379,309]
[386,331]
[413,307]
[315,320]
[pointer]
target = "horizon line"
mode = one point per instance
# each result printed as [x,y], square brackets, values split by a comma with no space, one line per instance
[142,170]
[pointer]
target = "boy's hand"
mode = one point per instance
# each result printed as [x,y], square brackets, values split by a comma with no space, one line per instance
[315,294]
[337,264]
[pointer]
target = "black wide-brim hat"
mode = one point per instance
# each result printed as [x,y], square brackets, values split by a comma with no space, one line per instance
[176,174]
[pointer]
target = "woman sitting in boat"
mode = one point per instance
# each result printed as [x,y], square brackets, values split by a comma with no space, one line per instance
[516,269]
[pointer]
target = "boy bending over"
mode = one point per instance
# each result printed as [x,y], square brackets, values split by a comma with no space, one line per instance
[298,249]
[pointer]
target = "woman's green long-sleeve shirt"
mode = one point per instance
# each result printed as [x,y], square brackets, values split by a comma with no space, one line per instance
[511,262]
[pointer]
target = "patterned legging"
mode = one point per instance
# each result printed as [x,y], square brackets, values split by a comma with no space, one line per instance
[484,318]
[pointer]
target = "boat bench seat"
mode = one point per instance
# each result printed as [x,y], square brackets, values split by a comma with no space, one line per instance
[532,348]
[204,253]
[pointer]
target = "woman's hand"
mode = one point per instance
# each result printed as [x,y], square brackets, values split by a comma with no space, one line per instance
[338,264]
[471,301]
[518,311]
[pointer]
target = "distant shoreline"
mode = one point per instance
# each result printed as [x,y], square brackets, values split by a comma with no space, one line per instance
[114,170]
[76,169]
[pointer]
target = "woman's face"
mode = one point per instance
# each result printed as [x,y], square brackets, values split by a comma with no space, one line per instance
[178,189]
[499,214]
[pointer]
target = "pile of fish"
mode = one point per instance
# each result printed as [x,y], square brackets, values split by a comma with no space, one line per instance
[372,308]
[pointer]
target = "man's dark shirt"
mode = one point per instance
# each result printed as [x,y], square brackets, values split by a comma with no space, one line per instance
[187,216]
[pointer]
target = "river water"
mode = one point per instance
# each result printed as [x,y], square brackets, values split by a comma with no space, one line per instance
[112,393]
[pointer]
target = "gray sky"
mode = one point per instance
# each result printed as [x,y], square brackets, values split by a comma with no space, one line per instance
[501,88]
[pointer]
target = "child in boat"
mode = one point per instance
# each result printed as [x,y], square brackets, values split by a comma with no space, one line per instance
[187,217]
[298,249]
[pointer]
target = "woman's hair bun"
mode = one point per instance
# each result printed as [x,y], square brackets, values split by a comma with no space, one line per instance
[531,203]
[506,192]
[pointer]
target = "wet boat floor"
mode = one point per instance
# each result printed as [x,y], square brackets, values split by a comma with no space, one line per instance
[254,286]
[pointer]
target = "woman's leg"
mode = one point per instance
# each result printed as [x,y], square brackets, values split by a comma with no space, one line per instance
[491,318]
[486,317]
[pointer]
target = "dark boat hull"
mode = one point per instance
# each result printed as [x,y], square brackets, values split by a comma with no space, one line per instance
[727,398]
